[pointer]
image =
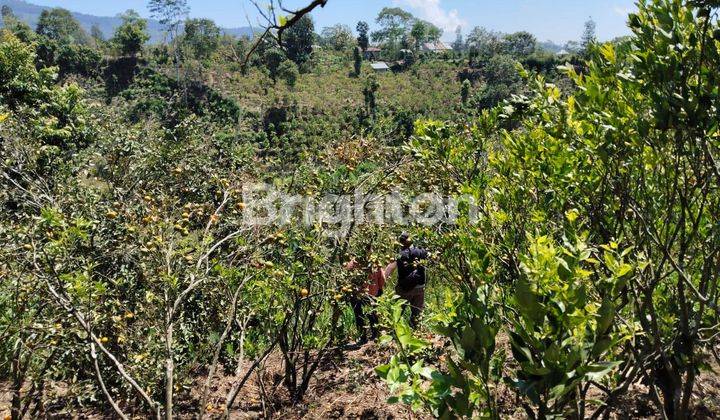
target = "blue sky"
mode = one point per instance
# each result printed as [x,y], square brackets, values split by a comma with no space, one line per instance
[556,20]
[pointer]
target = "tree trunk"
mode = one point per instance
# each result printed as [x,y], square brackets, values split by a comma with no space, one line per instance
[169,372]
[671,393]
[18,377]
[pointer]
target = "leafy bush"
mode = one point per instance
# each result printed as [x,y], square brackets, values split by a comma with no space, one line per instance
[562,339]
[77,59]
[63,119]
[59,25]
[152,92]
[627,160]
[58,115]
[288,71]
[131,35]
[20,82]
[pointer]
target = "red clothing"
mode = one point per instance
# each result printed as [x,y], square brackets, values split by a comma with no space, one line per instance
[376,282]
[376,279]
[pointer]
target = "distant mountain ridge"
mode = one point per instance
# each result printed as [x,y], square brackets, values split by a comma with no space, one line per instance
[30,13]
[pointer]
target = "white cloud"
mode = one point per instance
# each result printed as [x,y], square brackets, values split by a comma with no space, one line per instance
[623,11]
[433,12]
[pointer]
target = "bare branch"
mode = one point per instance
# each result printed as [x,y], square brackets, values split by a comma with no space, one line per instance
[275,27]
[98,374]
[218,346]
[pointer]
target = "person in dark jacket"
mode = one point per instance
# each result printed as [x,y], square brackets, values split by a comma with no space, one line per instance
[411,276]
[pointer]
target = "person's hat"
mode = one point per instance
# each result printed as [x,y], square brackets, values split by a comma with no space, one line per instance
[404,238]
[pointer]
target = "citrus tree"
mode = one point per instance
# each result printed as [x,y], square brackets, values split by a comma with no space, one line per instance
[623,174]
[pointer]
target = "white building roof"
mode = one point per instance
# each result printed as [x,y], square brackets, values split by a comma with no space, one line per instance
[436,46]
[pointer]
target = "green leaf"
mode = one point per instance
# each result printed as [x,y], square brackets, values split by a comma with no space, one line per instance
[605,316]
[597,371]
[382,371]
[601,345]
[411,343]
[527,299]
[468,338]
[558,391]
[521,353]
[564,270]
[535,370]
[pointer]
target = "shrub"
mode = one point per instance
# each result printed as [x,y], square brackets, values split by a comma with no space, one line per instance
[20,82]
[131,35]
[288,71]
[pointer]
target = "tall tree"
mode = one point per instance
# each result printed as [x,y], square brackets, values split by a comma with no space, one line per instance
[501,81]
[288,71]
[298,39]
[394,23]
[338,37]
[459,42]
[419,33]
[97,34]
[19,28]
[171,13]
[588,37]
[6,12]
[202,36]
[357,60]
[484,43]
[273,58]
[370,92]
[277,25]
[363,40]
[60,25]
[131,35]
[519,44]
[432,32]
[572,46]
[423,31]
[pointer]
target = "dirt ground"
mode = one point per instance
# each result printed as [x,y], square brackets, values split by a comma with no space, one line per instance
[345,386]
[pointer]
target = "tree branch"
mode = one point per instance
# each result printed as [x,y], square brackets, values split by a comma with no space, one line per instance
[276,28]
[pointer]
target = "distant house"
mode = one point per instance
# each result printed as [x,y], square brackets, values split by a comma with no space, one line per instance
[372,53]
[380,67]
[436,47]
[562,52]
